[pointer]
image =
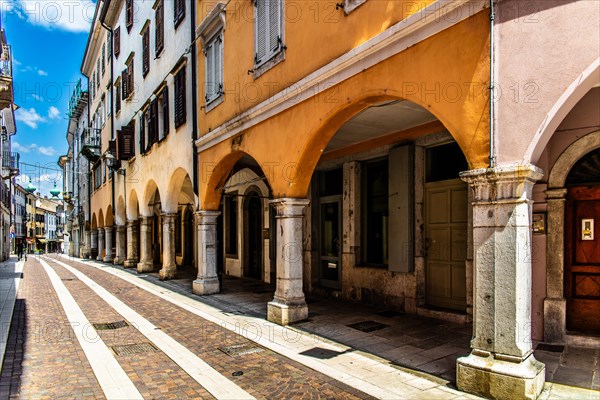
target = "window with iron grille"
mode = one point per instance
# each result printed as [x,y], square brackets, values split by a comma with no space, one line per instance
[268,32]
[129,14]
[117,41]
[159,27]
[214,68]
[179,101]
[178,12]
[146,52]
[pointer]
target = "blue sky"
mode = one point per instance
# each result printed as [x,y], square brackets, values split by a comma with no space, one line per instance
[48,38]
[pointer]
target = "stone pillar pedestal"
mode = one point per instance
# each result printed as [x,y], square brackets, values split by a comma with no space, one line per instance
[132,245]
[108,256]
[146,263]
[100,243]
[86,251]
[555,304]
[288,305]
[207,281]
[120,256]
[501,363]
[169,267]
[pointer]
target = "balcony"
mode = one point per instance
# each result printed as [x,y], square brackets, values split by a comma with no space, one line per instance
[6,84]
[90,144]
[78,101]
[10,164]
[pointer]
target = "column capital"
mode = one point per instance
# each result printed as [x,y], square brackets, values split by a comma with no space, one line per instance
[145,220]
[132,222]
[556,194]
[514,182]
[207,217]
[287,207]
[168,215]
[108,228]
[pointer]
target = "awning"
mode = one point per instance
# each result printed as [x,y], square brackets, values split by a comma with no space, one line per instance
[42,240]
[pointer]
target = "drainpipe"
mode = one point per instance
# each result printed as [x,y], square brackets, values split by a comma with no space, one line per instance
[492,85]
[194,100]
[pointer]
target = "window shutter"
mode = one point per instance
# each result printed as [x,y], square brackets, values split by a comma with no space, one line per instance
[260,26]
[153,123]
[180,112]
[218,66]
[124,81]
[117,41]
[119,154]
[179,12]
[159,32]
[103,58]
[130,82]
[209,71]
[165,104]
[112,146]
[401,207]
[109,40]
[142,133]
[274,26]
[129,14]
[146,52]
[117,98]
[125,141]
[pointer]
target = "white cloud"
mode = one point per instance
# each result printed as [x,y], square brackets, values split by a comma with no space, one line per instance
[37,97]
[41,72]
[43,150]
[29,117]
[16,62]
[53,113]
[18,147]
[67,15]
[46,151]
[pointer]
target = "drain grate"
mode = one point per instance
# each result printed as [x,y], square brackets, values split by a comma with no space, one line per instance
[553,348]
[237,350]
[389,313]
[136,348]
[368,326]
[110,325]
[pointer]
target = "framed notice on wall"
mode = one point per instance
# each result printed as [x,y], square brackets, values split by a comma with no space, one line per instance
[538,223]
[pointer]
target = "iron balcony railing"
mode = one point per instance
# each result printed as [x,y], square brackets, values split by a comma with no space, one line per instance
[5,61]
[90,144]
[10,160]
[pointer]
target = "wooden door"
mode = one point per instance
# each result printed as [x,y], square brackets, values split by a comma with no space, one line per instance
[446,244]
[255,237]
[582,258]
[330,221]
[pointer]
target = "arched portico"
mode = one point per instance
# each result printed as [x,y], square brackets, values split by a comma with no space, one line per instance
[133,230]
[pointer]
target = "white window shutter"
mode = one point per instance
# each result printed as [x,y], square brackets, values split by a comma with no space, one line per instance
[218,65]
[274,26]
[260,26]
[209,71]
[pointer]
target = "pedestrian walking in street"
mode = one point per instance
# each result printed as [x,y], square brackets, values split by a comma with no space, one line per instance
[20,250]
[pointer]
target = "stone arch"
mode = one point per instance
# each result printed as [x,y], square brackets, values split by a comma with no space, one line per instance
[178,182]
[146,206]
[574,93]
[109,217]
[94,221]
[120,217]
[133,207]
[569,157]
[100,219]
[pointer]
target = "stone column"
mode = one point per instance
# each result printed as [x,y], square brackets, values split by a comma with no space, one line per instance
[288,305]
[120,256]
[87,249]
[146,263]
[93,241]
[169,267]
[207,281]
[555,304]
[132,244]
[76,245]
[108,256]
[501,363]
[100,243]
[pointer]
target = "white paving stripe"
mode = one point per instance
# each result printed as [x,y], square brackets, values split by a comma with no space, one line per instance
[112,378]
[377,379]
[215,383]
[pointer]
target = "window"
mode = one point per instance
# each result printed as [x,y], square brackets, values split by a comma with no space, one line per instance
[214,68]
[127,80]
[146,52]
[179,102]
[178,12]
[103,58]
[98,73]
[129,14]
[159,28]
[163,113]
[231,219]
[375,212]
[118,96]
[109,45]
[152,120]
[117,41]
[143,133]
[268,36]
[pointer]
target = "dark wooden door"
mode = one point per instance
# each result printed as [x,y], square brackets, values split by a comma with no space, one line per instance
[582,258]
[255,237]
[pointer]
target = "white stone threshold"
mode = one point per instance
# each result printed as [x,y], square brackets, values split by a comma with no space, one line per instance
[369,374]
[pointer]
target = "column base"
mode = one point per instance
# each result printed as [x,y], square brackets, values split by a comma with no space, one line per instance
[130,263]
[99,258]
[206,286]
[555,317]
[286,314]
[167,272]
[145,266]
[499,379]
[118,261]
[108,259]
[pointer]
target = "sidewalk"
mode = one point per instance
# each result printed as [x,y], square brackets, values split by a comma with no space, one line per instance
[10,278]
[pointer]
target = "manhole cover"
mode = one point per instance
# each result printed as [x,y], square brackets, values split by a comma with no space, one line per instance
[389,313]
[110,325]
[237,350]
[136,348]
[553,348]
[368,326]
